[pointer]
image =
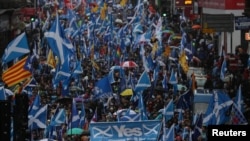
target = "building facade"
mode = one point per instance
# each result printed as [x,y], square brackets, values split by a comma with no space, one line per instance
[227,38]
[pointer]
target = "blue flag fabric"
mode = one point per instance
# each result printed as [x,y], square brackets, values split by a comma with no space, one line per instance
[63,49]
[169,134]
[16,48]
[184,101]
[103,88]
[59,118]
[131,117]
[197,128]
[173,79]
[39,120]
[34,107]
[75,118]
[169,110]
[239,100]
[143,83]
[82,116]
[142,108]
[218,111]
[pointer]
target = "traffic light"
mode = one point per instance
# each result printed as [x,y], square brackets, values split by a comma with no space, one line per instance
[166,8]
[33,18]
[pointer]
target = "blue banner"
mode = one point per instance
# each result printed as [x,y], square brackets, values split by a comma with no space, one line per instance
[125,131]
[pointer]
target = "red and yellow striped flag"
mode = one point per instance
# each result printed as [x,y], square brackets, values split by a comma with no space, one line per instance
[16,73]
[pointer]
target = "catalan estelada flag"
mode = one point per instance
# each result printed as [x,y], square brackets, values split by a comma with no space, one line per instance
[16,73]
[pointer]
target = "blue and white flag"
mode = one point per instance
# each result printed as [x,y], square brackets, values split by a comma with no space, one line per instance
[169,134]
[103,88]
[59,118]
[82,116]
[197,131]
[75,118]
[239,100]
[62,48]
[184,101]
[34,107]
[142,108]
[218,111]
[16,48]
[39,120]
[117,131]
[143,83]
[168,111]
[173,77]
[131,117]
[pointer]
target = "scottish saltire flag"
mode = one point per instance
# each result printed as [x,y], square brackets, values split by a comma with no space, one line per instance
[223,69]
[75,118]
[16,48]
[34,107]
[143,83]
[197,131]
[218,111]
[130,117]
[103,88]
[168,110]
[237,117]
[185,134]
[39,120]
[238,100]
[173,78]
[59,118]
[61,47]
[82,116]
[184,101]
[169,134]
[78,69]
